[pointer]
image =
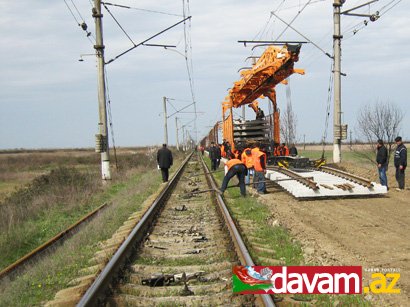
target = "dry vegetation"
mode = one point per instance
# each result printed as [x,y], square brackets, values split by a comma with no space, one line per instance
[66,189]
[56,199]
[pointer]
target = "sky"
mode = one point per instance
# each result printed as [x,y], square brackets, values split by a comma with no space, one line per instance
[48,98]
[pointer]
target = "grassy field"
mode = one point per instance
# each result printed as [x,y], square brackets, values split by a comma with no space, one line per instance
[56,200]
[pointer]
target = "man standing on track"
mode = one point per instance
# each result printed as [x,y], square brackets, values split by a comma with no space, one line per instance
[259,164]
[248,161]
[400,162]
[235,167]
[164,160]
[382,162]
[214,155]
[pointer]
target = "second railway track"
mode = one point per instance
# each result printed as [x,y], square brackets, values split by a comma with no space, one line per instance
[180,254]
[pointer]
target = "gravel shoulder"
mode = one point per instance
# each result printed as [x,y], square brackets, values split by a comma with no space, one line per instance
[371,232]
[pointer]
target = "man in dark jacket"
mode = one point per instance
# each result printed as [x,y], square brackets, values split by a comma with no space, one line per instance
[400,162]
[164,160]
[382,162]
[293,151]
[214,155]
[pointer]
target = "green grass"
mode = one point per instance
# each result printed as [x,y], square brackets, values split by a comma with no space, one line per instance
[30,233]
[50,275]
[278,240]
[44,278]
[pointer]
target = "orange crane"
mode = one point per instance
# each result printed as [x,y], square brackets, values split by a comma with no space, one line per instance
[273,67]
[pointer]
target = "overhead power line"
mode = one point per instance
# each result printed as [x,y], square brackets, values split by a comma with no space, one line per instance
[301,34]
[141,9]
[82,24]
[294,18]
[148,39]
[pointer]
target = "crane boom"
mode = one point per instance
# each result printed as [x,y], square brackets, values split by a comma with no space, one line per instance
[274,66]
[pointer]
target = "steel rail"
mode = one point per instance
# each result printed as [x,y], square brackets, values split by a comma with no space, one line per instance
[63,235]
[356,179]
[242,252]
[303,180]
[95,295]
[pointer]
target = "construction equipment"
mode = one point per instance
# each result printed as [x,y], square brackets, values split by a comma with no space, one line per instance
[273,67]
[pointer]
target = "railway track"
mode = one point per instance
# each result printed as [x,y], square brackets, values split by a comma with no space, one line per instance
[19,265]
[181,252]
[323,182]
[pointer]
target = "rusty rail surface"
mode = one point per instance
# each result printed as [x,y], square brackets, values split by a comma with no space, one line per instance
[240,247]
[57,239]
[303,180]
[356,179]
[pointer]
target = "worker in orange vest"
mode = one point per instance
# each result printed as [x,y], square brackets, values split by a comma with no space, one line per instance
[285,149]
[259,164]
[276,150]
[248,161]
[235,167]
[223,153]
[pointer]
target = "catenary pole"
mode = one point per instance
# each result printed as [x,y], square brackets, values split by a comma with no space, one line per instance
[176,130]
[337,112]
[165,121]
[103,129]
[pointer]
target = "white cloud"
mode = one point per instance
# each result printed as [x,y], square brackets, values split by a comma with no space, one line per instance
[40,69]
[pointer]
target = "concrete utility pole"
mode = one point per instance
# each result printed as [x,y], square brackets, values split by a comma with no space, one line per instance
[176,130]
[102,147]
[337,112]
[165,122]
[304,142]
[183,139]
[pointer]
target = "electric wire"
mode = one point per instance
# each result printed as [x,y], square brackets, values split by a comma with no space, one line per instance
[294,18]
[119,25]
[78,22]
[329,98]
[363,24]
[170,103]
[292,7]
[72,14]
[187,45]
[148,39]
[301,34]
[141,9]
[108,105]
[78,12]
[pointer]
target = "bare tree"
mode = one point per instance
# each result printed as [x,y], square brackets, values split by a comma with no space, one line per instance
[381,120]
[288,120]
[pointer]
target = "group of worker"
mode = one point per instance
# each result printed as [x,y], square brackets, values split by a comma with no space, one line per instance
[400,162]
[251,161]
[283,150]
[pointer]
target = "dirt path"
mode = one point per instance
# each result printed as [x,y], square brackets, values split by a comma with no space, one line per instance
[372,232]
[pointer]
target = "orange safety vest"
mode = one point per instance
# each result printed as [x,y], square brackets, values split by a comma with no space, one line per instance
[236,154]
[257,161]
[286,150]
[223,153]
[232,162]
[247,158]
[254,151]
[281,151]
